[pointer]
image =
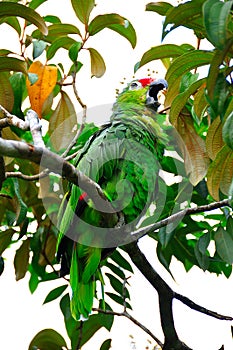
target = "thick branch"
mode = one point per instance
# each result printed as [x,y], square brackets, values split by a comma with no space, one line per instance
[165,296]
[58,165]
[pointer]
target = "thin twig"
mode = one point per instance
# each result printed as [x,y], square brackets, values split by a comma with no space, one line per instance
[20,175]
[83,122]
[132,319]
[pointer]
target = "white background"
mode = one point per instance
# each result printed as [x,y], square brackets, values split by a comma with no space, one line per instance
[22,314]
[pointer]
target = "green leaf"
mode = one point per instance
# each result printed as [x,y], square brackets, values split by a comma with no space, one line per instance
[118,299]
[1,265]
[52,19]
[55,293]
[17,10]
[230,194]
[57,30]
[93,324]
[22,206]
[21,260]
[18,84]
[14,23]
[106,344]
[36,3]
[160,7]
[98,67]
[200,251]
[6,92]
[61,42]
[181,65]
[47,339]
[70,322]
[121,261]
[118,271]
[38,48]
[5,239]
[186,62]
[118,285]
[75,68]
[227,131]
[188,14]
[159,52]
[215,14]
[82,9]
[33,281]
[12,64]
[181,99]
[74,51]
[220,173]
[224,245]
[229,226]
[116,23]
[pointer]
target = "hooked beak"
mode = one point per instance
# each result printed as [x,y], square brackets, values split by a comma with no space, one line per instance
[152,94]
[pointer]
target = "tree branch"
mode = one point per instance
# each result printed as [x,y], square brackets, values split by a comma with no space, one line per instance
[166,296]
[132,319]
[141,232]
[58,165]
[201,309]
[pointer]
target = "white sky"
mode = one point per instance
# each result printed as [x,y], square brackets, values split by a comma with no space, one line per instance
[22,314]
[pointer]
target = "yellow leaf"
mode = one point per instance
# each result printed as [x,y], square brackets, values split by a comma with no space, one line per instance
[194,151]
[42,88]
[214,140]
[220,173]
[63,122]
[98,67]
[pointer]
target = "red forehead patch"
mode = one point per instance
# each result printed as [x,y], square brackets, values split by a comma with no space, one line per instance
[145,81]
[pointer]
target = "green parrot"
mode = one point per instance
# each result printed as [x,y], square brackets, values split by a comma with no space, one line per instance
[123,158]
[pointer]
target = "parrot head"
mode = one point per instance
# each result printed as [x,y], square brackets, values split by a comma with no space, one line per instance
[143,92]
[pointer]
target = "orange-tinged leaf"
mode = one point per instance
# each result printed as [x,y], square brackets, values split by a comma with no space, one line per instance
[220,173]
[214,140]
[194,151]
[42,88]
[62,123]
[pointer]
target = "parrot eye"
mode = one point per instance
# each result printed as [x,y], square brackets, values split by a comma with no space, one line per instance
[135,85]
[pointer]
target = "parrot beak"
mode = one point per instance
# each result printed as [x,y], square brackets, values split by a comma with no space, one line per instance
[152,94]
